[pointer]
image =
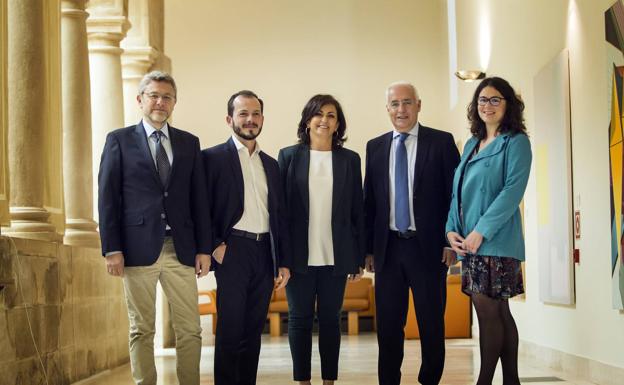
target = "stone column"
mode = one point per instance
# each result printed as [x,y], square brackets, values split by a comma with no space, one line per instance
[5,219]
[106,27]
[80,229]
[27,120]
[136,62]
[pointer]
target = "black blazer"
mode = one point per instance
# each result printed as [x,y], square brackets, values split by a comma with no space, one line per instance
[225,196]
[436,159]
[347,221]
[135,208]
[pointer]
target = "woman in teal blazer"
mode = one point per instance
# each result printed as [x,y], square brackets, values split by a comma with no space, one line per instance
[484,226]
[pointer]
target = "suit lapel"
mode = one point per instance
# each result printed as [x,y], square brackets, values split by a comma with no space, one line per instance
[270,178]
[302,174]
[237,170]
[384,165]
[422,149]
[176,148]
[339,170]
[492,149]
[144,149]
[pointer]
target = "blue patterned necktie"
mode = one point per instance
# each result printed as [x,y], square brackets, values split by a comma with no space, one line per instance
[401,189]
[162,161]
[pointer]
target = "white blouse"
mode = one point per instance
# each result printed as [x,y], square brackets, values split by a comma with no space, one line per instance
[320,187]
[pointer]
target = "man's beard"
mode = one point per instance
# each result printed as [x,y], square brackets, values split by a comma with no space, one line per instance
[247,136]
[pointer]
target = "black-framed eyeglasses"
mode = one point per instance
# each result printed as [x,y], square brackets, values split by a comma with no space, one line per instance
[494,100]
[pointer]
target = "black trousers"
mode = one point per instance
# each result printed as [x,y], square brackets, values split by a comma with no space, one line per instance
[319,285]
[407,268]
[244,288]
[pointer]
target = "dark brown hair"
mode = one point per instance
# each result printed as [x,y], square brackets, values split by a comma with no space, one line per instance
[513,121]
[313,106]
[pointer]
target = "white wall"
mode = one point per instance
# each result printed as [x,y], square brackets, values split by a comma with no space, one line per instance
[526,36]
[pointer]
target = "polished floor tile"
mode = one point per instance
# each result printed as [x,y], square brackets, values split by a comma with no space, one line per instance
[358,364]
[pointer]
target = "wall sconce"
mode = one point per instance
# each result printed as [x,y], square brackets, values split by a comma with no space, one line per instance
[470,75]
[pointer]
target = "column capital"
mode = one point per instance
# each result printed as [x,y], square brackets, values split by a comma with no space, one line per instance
[106,31]
[137,61]
[74,8]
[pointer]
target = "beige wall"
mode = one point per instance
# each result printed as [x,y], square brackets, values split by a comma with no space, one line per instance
[287,51]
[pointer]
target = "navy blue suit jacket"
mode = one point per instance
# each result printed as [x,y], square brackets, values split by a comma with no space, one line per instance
[224,177]
[436,159]
[135,207]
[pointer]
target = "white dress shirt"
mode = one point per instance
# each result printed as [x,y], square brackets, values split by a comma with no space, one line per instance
[320,187]
[165,139]
[255,217]
[411,145]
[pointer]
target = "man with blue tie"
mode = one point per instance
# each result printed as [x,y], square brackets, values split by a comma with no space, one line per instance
[155,226]
[407,192]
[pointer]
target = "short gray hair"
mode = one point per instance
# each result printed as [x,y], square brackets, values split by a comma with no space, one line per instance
[401,83]
[157,76]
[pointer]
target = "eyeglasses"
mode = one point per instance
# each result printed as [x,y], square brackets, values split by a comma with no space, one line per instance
[153,96]
[494,100]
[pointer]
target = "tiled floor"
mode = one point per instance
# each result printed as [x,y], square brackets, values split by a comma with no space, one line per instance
[358,364]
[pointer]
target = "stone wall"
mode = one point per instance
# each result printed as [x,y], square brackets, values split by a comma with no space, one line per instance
[76,311]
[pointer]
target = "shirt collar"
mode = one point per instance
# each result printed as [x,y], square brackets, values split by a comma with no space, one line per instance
[412,132]
[149,129]
[240,146]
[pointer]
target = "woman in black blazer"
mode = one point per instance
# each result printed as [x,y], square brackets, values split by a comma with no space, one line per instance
[323,188]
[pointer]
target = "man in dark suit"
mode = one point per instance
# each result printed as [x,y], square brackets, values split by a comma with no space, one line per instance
[155,226]
[407,191]
[251,246]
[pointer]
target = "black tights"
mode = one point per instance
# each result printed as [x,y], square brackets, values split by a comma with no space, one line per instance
[498,338]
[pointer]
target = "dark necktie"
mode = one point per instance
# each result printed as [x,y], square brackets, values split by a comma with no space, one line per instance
[162,161]
[401,189]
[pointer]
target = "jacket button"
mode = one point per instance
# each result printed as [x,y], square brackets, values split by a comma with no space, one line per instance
[166,194]
[163,216]
[482,189]
[487,164]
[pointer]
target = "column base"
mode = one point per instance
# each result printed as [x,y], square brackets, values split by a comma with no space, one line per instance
[82,233]
[31,223]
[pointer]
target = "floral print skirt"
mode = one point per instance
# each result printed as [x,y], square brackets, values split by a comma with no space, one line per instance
[496,277]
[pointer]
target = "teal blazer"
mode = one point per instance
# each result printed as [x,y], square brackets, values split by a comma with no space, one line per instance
[493,186]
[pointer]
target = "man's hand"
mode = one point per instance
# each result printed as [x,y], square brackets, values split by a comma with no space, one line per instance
[369,263]
[219,252]
[115,264]
[457,243]
[355,277]
[473,242]
[283,276]
[202,265]
[449,257]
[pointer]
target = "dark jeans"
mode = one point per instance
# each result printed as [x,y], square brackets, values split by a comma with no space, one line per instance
[244,287]
[405,268]
[303,290]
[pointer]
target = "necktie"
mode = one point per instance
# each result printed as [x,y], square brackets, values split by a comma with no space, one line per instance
[162,161]
[401,190]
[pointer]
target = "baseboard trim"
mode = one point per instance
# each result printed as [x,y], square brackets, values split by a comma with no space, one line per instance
[571,365]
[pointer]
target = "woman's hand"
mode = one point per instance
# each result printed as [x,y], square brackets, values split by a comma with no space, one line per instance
[457,243]
[473,242]
[355,277]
